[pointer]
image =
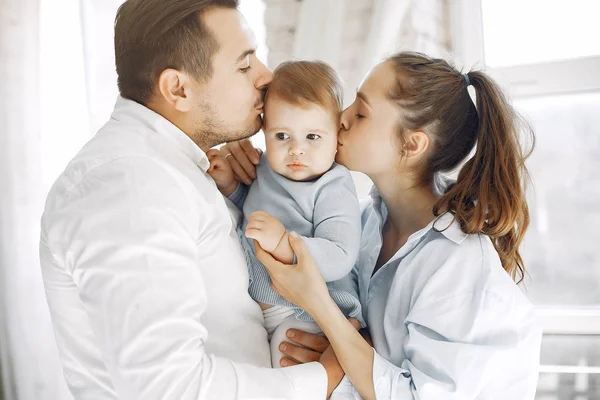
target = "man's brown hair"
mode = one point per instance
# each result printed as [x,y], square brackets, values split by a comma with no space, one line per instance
[312,82]
[153,35]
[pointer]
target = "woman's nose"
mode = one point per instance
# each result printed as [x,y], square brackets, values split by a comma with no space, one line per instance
[344,120]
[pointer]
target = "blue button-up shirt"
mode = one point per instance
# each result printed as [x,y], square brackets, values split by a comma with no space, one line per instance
[447,321]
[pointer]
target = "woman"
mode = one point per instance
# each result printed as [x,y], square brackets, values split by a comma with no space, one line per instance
[436,261]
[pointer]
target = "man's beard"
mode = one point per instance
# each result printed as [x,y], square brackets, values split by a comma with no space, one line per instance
[214,131]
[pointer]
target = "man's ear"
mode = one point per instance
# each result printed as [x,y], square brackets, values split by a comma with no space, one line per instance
[176,89]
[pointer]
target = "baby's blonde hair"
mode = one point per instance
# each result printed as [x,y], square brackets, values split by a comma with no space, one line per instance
[314,82]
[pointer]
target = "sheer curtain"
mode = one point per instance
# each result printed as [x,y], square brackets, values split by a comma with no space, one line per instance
[29,362]
[58,88]
[57,65]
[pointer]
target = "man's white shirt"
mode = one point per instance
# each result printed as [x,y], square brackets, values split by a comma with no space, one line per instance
[145,277]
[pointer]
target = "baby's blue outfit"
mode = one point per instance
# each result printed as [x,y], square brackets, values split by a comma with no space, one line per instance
[325,212]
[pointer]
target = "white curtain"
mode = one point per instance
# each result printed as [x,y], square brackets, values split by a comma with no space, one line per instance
[98,17]
[29,362]
[385,26]
[319,31]
[56,64]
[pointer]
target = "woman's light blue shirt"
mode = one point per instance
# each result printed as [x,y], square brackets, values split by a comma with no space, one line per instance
[447,321]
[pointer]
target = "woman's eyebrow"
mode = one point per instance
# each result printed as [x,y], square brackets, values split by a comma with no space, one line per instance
[363,97]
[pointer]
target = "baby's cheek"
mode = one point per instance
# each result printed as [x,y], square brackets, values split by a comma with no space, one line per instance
[275,157]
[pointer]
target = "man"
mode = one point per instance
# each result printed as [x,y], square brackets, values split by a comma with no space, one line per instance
[144,274]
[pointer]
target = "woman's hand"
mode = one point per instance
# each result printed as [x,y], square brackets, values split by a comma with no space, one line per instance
[302,283]
[243,158]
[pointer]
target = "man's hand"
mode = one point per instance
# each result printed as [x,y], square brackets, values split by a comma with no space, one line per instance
[366,335]
[221,172]
[267,230]
[312,347]
[243,160]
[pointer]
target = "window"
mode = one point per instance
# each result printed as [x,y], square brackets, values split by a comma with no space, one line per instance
[533,47]
[539,32]
[546,55]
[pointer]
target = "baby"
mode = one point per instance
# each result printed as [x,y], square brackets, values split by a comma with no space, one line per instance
[299,188]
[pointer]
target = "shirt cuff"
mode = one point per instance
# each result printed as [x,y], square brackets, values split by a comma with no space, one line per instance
[380,367]
[237,194]
[385,374]
[345,391]
[309,380]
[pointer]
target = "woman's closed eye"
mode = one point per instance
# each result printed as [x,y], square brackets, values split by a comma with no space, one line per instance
[282,136]
[358,116]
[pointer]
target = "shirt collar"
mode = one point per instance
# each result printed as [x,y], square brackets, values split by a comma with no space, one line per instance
[446,224]
[126,109]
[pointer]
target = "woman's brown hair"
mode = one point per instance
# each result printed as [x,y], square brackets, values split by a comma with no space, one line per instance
[488,196]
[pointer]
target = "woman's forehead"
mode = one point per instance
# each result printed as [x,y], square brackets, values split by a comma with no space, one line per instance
[379,80]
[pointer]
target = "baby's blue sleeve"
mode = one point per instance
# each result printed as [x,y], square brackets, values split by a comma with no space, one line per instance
[337,227]
[239,195]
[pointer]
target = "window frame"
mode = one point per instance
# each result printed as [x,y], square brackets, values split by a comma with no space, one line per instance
[528,80]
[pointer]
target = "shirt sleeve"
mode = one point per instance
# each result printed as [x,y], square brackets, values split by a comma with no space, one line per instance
[239,195]
[132,253]
[457,346]
[336,238]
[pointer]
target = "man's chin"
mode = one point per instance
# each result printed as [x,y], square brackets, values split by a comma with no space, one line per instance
[248,132]
[258,122]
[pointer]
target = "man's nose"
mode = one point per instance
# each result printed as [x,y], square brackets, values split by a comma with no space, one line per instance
[265,76]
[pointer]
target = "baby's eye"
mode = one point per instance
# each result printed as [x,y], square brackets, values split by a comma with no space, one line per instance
[312,136]
[282,136]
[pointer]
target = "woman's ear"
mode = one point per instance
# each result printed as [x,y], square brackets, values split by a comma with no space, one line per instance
[416,144]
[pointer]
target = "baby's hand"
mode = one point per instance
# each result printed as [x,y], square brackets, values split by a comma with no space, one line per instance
[221,172]
[265,229]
